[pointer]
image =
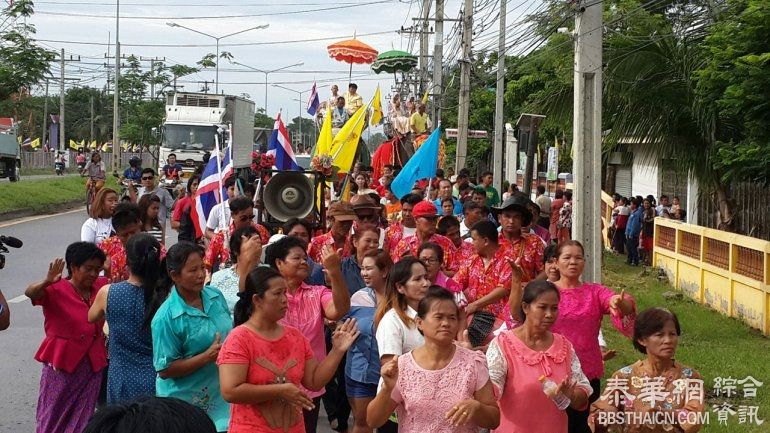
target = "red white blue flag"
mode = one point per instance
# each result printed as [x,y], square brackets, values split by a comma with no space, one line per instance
[209,193]
[313,102]
[280,147]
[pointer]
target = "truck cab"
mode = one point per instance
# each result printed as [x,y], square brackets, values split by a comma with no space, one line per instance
[10,151]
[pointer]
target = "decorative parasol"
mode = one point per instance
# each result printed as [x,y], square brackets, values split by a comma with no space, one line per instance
[394,61]
[352,51]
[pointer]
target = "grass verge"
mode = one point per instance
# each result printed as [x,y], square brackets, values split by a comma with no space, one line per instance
[42,195]
[713,344]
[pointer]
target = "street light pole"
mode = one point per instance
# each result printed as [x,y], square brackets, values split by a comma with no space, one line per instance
[217,39]
[300,105]
[266,74]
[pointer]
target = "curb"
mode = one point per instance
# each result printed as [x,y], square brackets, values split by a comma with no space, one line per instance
[49,209]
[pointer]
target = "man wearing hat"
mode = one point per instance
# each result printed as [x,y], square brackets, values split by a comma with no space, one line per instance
[425,216]
[524,248]
[340,216]
[367,214]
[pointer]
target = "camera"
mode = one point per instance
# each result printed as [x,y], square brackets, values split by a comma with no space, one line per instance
[5,242]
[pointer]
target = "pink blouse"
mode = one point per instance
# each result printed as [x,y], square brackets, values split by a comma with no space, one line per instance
[581,311]
[425,396]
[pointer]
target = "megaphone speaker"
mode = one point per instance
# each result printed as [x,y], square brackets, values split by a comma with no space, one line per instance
[288,194]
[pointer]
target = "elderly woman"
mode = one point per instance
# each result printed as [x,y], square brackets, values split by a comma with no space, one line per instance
[73,351]
[520,359]
[99,226]
[308,305]
[680,403]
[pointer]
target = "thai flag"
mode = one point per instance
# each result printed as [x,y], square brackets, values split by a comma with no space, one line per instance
[209,194]
[280,147]
[313,102]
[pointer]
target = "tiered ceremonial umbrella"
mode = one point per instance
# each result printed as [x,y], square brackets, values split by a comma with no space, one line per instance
[352,51]
[394,61]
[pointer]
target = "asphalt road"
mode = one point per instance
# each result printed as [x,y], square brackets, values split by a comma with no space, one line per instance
[45,238]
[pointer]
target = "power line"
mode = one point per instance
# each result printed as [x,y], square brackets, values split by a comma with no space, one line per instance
[154,17]
[189,5]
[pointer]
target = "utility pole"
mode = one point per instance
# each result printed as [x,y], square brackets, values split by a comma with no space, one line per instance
[61,96]
[116,96]
[438,63]
[497,151]
[587,124]
[92,119]
[426,4]
[152,61]
[205,85]
[45,115]
[465,88]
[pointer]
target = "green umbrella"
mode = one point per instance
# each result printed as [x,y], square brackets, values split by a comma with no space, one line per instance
[394,61]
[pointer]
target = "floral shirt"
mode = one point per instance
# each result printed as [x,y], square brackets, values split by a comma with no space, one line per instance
[218,252]
[478,281]
[530,249]
[318,242]
[393,235]
[465,252]
[116,253]
[410,245]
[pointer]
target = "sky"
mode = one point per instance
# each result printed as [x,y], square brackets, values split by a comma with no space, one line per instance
[58,21]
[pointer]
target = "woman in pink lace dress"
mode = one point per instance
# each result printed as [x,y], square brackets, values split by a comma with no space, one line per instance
[581,310]
[518,358]
[438,387]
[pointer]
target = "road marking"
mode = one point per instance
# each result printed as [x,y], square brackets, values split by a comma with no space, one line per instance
[39,217]
[18,299]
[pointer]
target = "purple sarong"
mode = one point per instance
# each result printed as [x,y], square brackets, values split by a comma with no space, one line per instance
[67,401]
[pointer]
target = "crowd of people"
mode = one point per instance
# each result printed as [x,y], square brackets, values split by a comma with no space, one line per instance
[451,309]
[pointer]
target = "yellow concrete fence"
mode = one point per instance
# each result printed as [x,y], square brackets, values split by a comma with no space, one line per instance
[728,272]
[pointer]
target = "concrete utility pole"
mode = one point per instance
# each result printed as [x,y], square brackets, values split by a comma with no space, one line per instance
[587,124]
[497,150]
[116,96]
[91,138]
[424,34]
[465,87]
[152,61]
[45,115]
[438,63]
[61,104]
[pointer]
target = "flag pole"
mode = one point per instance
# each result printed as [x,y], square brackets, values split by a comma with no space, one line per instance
[217,150]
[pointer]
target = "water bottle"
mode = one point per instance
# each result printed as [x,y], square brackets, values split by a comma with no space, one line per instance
[551,390]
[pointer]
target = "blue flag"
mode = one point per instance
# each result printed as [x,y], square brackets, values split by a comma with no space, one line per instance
[422,165]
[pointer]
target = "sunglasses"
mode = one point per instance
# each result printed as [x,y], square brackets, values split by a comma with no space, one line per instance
[148,178]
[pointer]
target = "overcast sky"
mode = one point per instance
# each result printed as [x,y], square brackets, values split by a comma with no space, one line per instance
[57,21]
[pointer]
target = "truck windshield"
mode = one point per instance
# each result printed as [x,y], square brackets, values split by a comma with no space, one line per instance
[189,137]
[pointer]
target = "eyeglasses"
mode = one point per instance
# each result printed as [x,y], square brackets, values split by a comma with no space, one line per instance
[148,178]
[430,261]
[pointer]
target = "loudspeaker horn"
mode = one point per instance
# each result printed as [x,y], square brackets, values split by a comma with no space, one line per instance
[287,195]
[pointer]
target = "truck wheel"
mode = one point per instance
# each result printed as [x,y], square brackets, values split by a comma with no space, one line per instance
[15,174]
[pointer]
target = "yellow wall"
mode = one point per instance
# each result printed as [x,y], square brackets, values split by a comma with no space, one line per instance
[735,295]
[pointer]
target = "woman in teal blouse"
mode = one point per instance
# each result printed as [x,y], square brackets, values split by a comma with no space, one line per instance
[187,331]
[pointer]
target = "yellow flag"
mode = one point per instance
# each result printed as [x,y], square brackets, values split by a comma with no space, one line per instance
[345,195]
[35,143]
[124,146]
[74,144]
[346,141]
[425,98]
[105,148]
[324,144]
[93,144]
[377,108]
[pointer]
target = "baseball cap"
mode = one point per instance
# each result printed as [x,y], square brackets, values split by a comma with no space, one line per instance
[424,209]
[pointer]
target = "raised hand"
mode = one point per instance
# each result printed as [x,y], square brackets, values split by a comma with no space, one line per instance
[616,300]
[345,335]
[55,270]
[295,397]
[213,351]
[517,273]
[252,246]
[462,412]
[389,373]
[331,259]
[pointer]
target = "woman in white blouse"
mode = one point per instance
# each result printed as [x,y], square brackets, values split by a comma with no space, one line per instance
[397,331]
[99,226]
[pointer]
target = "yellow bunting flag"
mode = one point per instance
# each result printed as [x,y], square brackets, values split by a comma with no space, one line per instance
[324,144]
[346,141]
[425,98]
[35,143]
[377,108]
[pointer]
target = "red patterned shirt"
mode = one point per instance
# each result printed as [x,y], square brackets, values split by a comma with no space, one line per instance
[410,245]
[478,281]
[218,252]
[317,243]
[530,249]
[116,253]
[465,252]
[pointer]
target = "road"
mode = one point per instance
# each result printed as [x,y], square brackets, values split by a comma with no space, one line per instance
[45,238]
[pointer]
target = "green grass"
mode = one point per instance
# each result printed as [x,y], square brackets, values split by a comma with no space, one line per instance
[712,344]
[41,195]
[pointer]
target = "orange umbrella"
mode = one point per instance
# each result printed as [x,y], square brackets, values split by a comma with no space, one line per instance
[352,51]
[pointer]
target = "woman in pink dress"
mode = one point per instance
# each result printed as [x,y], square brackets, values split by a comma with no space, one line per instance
[518,359]
[439,387]
[581,310]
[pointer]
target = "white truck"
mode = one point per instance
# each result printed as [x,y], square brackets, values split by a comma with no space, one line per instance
[192,121]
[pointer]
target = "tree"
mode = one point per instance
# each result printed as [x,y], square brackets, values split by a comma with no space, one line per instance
[262,120]
[23,63]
